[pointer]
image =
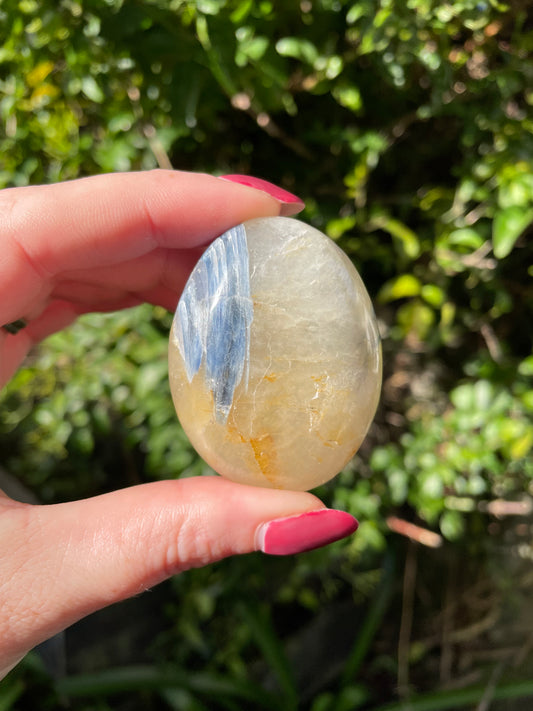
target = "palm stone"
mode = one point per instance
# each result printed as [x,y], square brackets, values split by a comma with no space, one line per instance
[275,356]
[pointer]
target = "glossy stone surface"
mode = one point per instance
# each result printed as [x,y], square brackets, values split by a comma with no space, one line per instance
[274,356]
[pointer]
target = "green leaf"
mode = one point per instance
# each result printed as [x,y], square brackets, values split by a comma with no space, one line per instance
[371,622]
[254,48]
[465,237]
[474,397]
[337,227]
[91,89]
[405,238]
[265,635]
[522,444]
[433,294]
[351,698]
[242,10]
[349,97]
[297,48]
[10,693]
[508,225]
[416,318]
[526,366]
[452,525]
[446,700]
[518,191]
[355,13]
[208,7]
[142,677]
[403,286]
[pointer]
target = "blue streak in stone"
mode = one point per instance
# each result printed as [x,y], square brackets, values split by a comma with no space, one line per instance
[214,316]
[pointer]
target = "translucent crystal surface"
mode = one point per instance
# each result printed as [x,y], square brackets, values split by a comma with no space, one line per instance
[274,356]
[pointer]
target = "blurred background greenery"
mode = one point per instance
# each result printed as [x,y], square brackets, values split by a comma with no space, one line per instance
[407,127]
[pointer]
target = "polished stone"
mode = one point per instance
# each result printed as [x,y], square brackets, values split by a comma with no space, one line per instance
[274,357]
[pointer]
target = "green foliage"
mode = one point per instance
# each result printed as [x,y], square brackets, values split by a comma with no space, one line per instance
[407,126]
[478,449]
[69,412]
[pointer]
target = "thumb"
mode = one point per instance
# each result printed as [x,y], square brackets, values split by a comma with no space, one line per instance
[65,561]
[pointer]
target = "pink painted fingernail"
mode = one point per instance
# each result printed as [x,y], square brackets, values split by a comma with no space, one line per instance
[296,534]
[290,204]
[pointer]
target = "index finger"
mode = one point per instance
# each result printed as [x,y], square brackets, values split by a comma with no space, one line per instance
[107,219]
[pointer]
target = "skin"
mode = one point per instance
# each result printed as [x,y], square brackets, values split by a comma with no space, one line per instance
[100,244]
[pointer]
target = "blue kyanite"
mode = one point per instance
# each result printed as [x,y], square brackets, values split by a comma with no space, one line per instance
[213,319]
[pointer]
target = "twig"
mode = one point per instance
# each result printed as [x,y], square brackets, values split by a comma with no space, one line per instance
[157,148]
[500,507]
[465,634]
[478,257]
[523,652]
[270,127]
[414,532]
[488,694]
[448,614]
[406,623]
[491,340]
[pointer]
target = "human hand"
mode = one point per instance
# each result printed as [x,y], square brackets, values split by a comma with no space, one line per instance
[106,243]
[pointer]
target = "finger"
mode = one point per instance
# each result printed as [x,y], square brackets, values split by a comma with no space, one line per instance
[157,278]
[166,269]
[68,560]
[105,220]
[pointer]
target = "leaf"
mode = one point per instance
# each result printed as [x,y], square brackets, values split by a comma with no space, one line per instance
[298,48]
[372,621]
[91,89]
[415,318]
[255,48]
[208,7]
[433,294]
[9,695]
[465,237]
[242,10]
[339,226]
[507,227]
[270,644]
[349,97]
[355,13]
[42,94]
[39,73]
[518,191]
[406,240]
[527,399]
[522,444]
[526,366]
[473,397]
[142,677]
[452,525]
[399,288]
[446,700]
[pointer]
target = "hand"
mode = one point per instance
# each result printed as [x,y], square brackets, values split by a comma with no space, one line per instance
[106,243]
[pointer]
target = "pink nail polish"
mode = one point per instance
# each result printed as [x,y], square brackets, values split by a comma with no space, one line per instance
[290,204]
[296,534]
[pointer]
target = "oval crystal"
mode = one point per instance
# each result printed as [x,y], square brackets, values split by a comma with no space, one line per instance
[274,356]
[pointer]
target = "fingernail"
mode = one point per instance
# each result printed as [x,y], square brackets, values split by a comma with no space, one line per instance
[296,534]
[290,204]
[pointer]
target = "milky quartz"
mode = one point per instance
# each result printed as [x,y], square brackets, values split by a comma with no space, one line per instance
[275,358]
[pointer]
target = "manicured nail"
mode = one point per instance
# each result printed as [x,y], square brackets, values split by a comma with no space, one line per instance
[296,534]
[290,204]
